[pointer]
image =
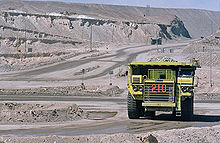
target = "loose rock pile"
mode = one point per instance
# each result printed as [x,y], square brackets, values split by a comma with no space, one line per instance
[162,59]
[81,90]
[32,113]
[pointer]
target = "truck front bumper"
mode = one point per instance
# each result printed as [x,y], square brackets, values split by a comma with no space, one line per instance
[158,104]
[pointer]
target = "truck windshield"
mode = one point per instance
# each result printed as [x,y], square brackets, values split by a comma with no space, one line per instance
[139,70]
[185,73]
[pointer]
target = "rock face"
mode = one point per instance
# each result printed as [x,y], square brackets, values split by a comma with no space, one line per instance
[198,22]
[53,32]
[176,28]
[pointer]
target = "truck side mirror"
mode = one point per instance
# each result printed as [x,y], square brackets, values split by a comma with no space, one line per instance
[126,73]
[197,81]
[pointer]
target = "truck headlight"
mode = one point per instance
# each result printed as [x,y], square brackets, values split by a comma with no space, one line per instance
[187,88]
[140,88]
[184,88]
[135,88]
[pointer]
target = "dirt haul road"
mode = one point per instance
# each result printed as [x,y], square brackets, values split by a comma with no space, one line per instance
[64,70]
[107,115]
[65,73]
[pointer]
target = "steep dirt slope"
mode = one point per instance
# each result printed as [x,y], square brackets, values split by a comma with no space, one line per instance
[44,38]
[53,30]
[206,50]
[198,22]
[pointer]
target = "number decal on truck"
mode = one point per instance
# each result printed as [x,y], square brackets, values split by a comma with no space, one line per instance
[163,87]
[154,87]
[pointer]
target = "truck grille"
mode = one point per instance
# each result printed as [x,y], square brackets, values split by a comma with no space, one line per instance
[159,92]
[136,79]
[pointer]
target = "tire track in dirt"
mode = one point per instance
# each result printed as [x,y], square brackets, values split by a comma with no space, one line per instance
[29,75]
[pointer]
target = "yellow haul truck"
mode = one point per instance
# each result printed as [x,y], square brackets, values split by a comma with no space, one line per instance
[160,86]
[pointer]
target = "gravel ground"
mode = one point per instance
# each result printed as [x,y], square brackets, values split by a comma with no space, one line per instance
[206,50]
[190,135]
[67,90]
[32,113]
[187,135]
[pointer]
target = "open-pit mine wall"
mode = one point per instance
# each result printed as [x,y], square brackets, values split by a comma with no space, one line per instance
[47,33]
[197,22]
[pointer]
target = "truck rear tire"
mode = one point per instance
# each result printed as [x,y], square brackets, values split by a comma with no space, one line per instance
[135,109]
[187,109]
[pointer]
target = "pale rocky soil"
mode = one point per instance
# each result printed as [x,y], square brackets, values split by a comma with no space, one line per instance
[198,22]
[178,135]
[82,90]
[26,113]
[191,135]
[187,135]
[44,29]
[206,50]
[44,33]
[203,77]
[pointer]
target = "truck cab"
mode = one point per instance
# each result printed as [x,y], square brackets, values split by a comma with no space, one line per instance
[160,86]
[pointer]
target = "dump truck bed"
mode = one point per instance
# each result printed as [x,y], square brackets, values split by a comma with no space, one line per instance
[160,64]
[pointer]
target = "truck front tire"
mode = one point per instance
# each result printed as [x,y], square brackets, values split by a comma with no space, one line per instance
[187,109]
[135,109]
